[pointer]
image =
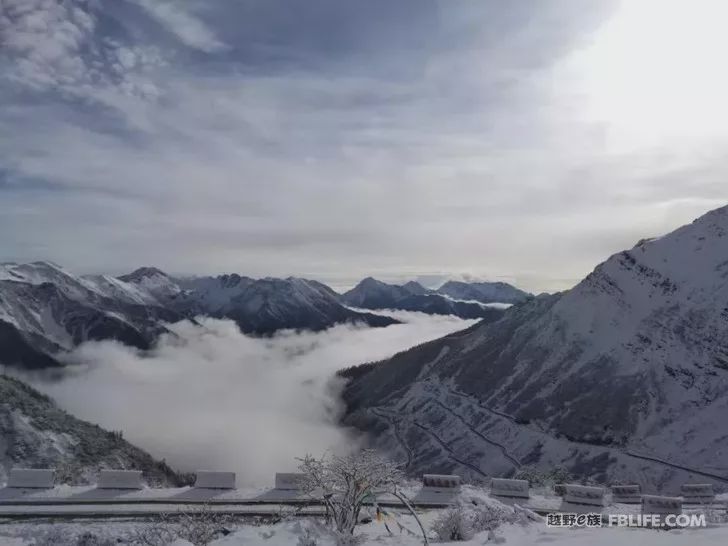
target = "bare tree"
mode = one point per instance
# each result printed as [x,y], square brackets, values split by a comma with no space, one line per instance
[344,483]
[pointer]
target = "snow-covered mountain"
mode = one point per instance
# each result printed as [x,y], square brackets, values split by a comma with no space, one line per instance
[45,309]
[484,292]
[374,294]
[151,280]
[624,377]
[35,433]
[258,306]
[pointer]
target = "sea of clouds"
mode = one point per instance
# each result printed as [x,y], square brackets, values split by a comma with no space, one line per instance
[209,397]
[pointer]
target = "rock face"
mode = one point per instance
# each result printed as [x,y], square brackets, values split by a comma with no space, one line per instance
[35,433]
[373,294]
[46,310]
[624,377]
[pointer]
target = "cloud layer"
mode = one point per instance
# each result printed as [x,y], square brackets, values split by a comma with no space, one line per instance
[212,398]
[343,138]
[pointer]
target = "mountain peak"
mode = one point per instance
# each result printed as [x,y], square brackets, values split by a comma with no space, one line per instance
[484,292]
[370,281]
[371,293]
[34,272]
[45,264]
[143,272]
[414,285]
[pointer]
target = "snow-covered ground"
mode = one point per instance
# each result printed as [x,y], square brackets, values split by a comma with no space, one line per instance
[491,521]
[288,533]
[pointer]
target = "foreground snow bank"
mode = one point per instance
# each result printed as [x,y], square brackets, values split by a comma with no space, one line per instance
[290,533]
[475,512]
[474,519]
[293,533]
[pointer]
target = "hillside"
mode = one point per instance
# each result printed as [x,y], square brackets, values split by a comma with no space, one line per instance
[35,433]
[624,376]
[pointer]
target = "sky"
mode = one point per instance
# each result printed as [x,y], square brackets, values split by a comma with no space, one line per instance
[336,139]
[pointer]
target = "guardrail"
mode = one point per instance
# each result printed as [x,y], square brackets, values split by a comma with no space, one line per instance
[30,493]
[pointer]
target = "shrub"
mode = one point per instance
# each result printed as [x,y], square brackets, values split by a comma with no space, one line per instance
[200,528]
[307,539]
[344,483]
[475,513]
[454,525]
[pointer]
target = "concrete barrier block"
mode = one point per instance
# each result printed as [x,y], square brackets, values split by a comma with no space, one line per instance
[119,479]
[31,478]
[206,479]
[501,487]
[697,493]
[441,481]
[654,504]
[584,494]
[627,494]
[288,481]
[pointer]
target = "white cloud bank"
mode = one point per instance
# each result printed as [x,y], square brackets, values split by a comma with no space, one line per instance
[213,398]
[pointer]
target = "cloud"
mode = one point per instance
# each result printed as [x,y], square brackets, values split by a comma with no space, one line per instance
[330,138]
[47,36]
[212,398]
[54,47]
[190,30]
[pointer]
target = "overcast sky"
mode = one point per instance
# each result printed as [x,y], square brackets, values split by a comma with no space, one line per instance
[522,141]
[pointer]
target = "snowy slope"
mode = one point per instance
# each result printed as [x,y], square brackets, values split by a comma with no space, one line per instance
[153,281]
[114,288]
[623,377]
[214,294]
[46,309]
[35,433]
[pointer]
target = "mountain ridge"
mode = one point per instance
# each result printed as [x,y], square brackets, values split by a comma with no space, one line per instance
[371,293]
[628,365]
[45,310]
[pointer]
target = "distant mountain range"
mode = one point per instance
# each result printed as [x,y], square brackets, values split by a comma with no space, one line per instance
[258,306]
[466,300]
[46,310]
[484,292]
[622,378]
